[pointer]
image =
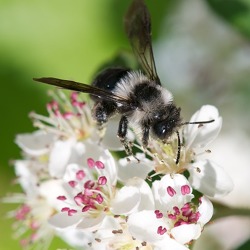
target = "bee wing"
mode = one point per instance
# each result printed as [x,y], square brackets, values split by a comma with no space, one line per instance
[138,29]
[85,88]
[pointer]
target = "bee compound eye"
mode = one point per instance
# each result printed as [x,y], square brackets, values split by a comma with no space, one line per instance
[163,129]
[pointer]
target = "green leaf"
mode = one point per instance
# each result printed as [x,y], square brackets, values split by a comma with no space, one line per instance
[236,13]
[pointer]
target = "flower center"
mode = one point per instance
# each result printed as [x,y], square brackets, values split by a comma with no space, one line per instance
[69,118]
[92,195]
[179,214]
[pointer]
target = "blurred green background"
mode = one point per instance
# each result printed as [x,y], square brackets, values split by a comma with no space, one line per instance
[201,48]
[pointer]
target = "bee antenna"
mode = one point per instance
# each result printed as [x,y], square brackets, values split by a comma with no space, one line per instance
[179,140]
[200,122]
[179,148]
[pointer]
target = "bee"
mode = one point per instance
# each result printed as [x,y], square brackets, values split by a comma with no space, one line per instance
[138,97]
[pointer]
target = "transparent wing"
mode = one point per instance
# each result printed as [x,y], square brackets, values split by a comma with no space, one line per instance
[85,88]
[138,29]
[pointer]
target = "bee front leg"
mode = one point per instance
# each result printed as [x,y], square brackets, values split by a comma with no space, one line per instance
[145,136]
[101,112]
[122,134]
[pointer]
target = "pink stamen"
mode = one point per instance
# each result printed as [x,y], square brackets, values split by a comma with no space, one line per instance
[72,212]
[176,210]
[53,105]
[99,165]
[99,198]
[86,208]
[65,209]
[89,184]
[72,183]
[185,189]
[158,214]
[57,113]
[180,222]
[187,212]
[80,175]
[86,199]
[75,103]
[68,115]
[91,163]
[172,216]
[171,191]
[102,180]
[22,212]
[88,192]
[78,200]
[194,217]
[161,230]
[78,104]
[74,96]
[61,198]
[34,225]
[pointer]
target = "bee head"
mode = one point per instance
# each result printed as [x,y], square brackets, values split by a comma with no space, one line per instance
[164,128]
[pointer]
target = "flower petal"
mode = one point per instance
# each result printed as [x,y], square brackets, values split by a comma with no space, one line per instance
[50,190]
[143,226]
[76,237]
[126,200]
[62,220]
[59,157]
[35,144]
[200,136]
[26,178]
[170,243]
[206,210]
[146,199]
[166,201]
[187,232]
[210,179]
[129,169]
[91,223]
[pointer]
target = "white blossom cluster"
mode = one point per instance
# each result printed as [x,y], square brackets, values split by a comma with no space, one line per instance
[76,187]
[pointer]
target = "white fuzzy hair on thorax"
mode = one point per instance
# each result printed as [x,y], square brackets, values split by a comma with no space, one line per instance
[127,83]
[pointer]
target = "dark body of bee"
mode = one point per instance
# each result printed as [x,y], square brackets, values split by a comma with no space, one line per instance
[138,97]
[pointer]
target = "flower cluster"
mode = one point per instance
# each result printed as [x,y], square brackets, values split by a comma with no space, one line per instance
[78,188]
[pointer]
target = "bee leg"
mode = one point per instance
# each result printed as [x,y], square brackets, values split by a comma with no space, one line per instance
[122,134]
[101,112]
[145,136]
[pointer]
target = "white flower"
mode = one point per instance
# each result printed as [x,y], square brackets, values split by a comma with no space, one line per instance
[31,217]
[93,195]
[91,189]
[92,204]
[36,143]
[199,136]
[210,178]
[176,220]
[205,176]
[72,119]
[67,118]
